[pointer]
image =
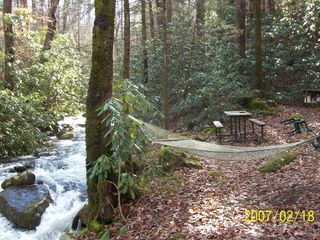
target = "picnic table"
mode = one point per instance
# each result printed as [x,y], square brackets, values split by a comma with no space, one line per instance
[236,117]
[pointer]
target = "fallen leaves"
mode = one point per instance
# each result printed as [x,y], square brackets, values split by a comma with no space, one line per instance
[203,208]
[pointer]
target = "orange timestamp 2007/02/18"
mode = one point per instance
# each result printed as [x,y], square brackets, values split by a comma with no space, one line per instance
[284,216]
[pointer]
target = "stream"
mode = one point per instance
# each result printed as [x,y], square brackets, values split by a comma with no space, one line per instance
[63,172]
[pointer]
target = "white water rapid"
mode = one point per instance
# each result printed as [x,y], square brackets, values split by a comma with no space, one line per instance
[63,172]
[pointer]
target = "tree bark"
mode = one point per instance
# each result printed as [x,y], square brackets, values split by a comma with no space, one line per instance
[79,27]
[160,16]
[100,89]
[272,6]
[126,53]
[8,45]
[258,45]
[152,32]
[24,3]
[241,26]
[34,7]
[263,7]
[169,11]
[52,25]
[65,13]
[200,17]
[144,41]
[250,8]
[165,77]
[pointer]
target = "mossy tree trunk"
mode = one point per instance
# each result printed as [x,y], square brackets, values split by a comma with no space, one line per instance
[152,33]
[8,45]
[126,54]
[241,26]
[65,14]
[100,89]
[144,41]
[258,46]
[200,17]
[169,11]
[165,77]
[52,25]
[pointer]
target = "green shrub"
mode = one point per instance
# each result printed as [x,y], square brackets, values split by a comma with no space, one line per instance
[20,124]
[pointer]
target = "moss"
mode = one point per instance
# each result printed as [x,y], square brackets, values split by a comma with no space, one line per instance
[95,226]
[316,189]
[257,104]
[170,183]
[193,163]
[214,174]
[169,159]
[177,236]
[208,131]
[269,111]
[223,181]
[296,116]
[276,162]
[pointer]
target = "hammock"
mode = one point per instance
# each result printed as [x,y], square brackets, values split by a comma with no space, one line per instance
[164,137]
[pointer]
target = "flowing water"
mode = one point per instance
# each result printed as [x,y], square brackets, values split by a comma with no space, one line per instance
[63,171]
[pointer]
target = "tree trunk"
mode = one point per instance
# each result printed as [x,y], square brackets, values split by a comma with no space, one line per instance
[263,7]
[169,11]
[165,78]
[79,27]
[34,7]
[272,6]
[65,15]
[8,45]
[200,17]
[152,34]
[144,40]
[250,8]
[159,17]
[42,11]
[24,3]
[52,25]
[241,26]
[126,53]
[100,89]
[258,45]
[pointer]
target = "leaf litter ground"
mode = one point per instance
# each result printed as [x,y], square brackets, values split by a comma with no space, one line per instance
[210,203]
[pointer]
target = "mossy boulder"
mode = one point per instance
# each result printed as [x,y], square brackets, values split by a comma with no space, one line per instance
[23,179]
[276,162]
[24,206]
[67,132]
[257,104]
[169,159]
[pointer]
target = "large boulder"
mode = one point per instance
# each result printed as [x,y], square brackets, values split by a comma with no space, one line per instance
[24,206]
[23,179]
[66,132]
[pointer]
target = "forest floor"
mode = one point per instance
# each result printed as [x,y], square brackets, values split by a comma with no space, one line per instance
[212,203]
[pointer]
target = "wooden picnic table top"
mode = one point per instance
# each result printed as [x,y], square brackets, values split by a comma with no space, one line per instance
[238,113]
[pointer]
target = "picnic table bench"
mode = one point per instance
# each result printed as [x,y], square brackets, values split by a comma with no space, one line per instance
[218,126]
[258,123]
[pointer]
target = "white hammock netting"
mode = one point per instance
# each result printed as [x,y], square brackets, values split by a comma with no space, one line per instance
[164,137]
